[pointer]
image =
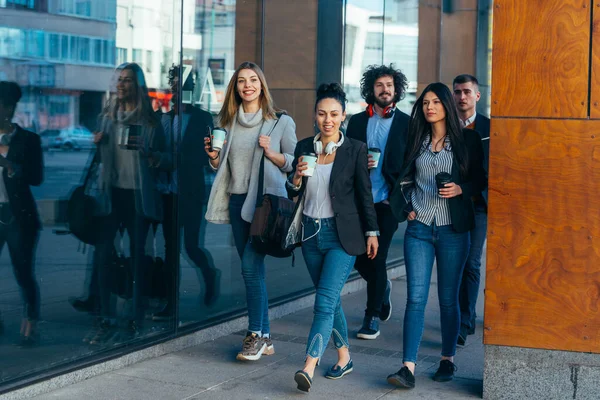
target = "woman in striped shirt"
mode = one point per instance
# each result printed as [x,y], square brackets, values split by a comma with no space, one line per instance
[439,220]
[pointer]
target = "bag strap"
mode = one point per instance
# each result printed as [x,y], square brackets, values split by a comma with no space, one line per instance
[88,173]
[261,172]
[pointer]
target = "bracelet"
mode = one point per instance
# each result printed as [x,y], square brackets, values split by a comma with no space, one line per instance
[213,159]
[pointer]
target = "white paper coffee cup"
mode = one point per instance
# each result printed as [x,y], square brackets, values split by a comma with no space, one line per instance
[375,153]
[218,138]
[311,160]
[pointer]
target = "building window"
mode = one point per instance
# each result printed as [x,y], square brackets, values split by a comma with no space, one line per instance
[18,4]
[149,60]
[137,56]
[54,46]
[103,10]
[83,8]
[351,32]
[121,55]
[64,48]
[374,41]
[12,42]
[36,44]
[98,48]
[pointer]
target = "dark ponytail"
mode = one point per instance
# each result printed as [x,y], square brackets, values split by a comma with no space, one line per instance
[331,91]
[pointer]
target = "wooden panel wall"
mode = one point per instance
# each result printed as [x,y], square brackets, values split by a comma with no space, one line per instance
[540,58]
[286,51]
[543,254]
[595,78]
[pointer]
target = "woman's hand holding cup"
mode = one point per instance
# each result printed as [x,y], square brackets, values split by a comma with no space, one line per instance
[213,154]
[301,166]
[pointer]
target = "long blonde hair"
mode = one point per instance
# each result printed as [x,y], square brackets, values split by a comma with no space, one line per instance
[232,101]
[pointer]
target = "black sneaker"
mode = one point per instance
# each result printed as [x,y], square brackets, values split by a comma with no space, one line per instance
[370,328]
[386,307]
[445,372]
[403,378]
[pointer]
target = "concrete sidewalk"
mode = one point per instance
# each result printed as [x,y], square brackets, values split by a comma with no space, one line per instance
[210,371]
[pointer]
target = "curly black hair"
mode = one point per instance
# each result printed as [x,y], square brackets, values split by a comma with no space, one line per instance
[374,72]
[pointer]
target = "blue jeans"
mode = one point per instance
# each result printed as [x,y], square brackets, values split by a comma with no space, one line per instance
[329,267]
[253,268]
[422,245]
[469,289]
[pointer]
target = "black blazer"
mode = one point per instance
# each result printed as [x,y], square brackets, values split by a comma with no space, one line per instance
[393,154]
[192,158]
[350,191]
[25,153]
[482,126]
[461,207]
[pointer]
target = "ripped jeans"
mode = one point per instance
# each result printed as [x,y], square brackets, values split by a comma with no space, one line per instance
[329,267]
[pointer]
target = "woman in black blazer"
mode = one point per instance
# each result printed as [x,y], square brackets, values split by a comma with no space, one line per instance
[21,166]
[440,215]
[338,223]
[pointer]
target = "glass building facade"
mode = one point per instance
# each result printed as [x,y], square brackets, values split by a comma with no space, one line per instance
[64,55]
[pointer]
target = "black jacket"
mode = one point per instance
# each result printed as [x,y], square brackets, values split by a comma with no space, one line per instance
[25,153]
[350,191]
[393,156]
[461,207]
[482,126]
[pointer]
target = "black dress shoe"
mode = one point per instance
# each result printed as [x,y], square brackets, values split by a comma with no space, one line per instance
[445,372]
[84,305]
[303,380]
[403,378]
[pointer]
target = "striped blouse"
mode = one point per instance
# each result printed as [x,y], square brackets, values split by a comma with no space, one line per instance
[425,199]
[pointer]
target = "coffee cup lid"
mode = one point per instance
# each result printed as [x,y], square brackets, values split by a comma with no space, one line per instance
[375,149]
[309,154]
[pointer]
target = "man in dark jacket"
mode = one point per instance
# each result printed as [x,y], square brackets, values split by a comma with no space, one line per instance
[184,189]
[385,128]
[466,95]
[21,166]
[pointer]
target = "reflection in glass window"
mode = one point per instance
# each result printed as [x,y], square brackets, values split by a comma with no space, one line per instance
[149,60]
[97,51]
[349,44]
[54,46]
[64,48]
[12,42]
[137,56]
[121,55]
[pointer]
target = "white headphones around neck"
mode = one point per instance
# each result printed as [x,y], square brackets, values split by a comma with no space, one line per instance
[331,146]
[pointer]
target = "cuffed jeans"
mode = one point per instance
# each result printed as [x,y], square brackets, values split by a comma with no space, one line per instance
[469,288]
[422,245]
[329,267]
[253,268]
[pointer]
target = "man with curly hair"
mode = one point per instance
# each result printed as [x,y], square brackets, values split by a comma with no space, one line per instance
[384,129]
